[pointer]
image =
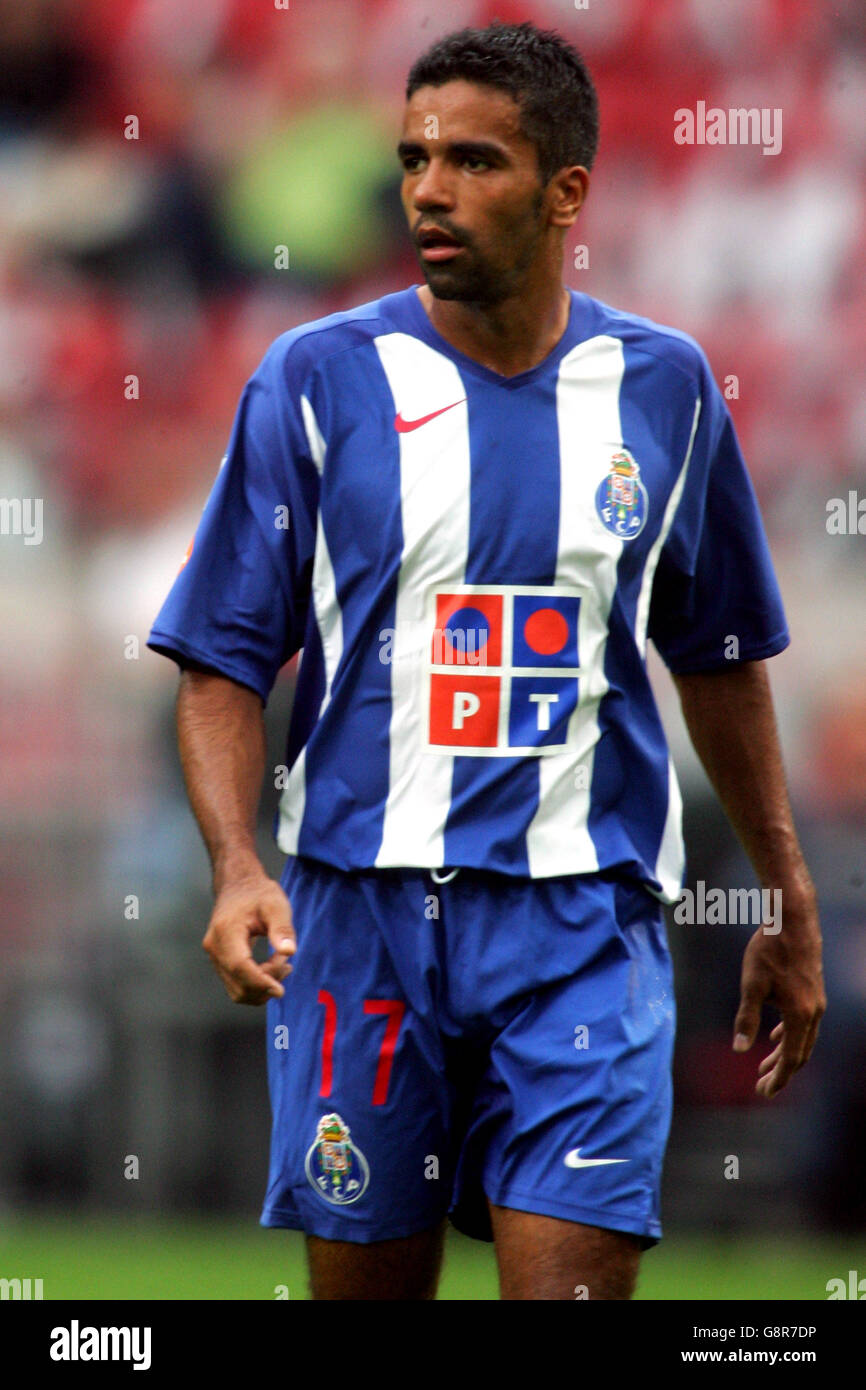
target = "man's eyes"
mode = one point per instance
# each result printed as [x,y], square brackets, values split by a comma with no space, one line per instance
[476,163]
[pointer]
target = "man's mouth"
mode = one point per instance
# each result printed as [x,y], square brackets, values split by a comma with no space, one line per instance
[437,245]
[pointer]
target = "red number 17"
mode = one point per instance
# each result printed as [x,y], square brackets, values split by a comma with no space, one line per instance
[393,1009]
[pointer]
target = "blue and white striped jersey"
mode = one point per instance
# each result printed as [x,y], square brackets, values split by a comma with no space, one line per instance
[473,565]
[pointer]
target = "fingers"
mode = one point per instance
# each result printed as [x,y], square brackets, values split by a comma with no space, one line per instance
[813,1035]
[748,1019]
[772,1058]
[777,1068]
[787,974]
[276,915]
[791,1052]
[770,1061]
[277,967]
[247,982]
[251,908]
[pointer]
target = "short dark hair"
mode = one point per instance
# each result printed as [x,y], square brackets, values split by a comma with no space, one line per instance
[541,71]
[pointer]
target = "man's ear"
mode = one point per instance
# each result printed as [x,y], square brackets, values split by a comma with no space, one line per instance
[569,189]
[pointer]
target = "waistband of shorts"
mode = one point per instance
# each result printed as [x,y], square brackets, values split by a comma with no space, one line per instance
[449,872]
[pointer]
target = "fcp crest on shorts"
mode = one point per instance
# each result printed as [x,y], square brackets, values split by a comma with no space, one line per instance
[335,1166]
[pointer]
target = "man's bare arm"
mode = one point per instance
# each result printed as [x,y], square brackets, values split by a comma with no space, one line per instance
[221,737]
[732,724]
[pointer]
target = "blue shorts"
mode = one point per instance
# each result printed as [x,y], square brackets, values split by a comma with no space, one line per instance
[441,1044]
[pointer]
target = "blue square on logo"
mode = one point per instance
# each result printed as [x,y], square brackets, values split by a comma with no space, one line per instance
[541,707]
[545,630]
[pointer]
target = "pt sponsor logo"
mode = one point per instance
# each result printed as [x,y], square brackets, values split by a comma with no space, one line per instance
[503,669]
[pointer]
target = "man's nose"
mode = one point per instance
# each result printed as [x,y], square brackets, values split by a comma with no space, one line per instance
[433,188]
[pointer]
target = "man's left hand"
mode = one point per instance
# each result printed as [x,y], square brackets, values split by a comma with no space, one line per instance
[782,969]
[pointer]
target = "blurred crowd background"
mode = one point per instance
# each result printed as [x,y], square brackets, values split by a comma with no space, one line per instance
[153,157]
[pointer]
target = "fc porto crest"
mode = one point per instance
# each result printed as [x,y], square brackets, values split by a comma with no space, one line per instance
[335,1166]
[621,499]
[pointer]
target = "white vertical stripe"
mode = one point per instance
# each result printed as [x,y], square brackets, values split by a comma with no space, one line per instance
[643,604]
[672,855]
[434,494]
[314,435]
[329,621]
[590,433]
[505,682]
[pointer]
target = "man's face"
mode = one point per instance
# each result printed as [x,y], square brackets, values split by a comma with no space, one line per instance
[471,191]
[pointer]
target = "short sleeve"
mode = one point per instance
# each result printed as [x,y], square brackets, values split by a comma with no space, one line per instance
[239,602]
[715,579]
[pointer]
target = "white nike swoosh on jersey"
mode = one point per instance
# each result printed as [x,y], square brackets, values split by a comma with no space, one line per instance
[573,1160]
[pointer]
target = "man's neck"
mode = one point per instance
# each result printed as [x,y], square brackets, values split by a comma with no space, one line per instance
[510,337]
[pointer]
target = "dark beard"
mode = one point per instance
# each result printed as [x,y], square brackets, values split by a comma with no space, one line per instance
[478,283]
[472,286]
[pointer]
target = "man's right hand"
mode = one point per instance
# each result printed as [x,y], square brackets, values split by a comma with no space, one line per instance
[246,907]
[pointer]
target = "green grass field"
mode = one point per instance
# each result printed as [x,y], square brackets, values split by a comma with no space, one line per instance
[114,1259]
